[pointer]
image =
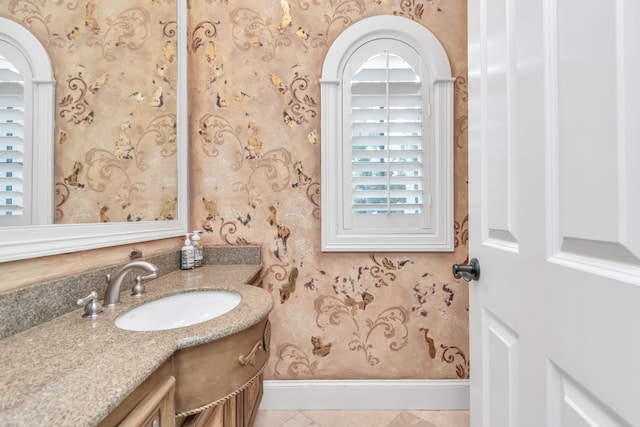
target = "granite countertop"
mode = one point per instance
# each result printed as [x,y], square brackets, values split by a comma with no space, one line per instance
[73,371]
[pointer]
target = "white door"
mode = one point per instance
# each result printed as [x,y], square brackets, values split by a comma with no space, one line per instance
[554,184]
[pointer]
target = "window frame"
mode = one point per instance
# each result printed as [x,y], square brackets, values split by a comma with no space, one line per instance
[336,236]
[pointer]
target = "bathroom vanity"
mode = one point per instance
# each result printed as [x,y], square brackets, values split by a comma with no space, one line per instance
[217,383]
[85,372]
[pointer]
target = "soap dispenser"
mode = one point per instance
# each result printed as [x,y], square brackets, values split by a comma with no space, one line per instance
[187,254]
[198,254]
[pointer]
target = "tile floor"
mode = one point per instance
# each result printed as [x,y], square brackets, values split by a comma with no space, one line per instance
[362,419]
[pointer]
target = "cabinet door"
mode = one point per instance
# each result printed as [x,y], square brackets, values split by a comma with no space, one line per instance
[223,414]
[252,396]
[236,411]
[156,409]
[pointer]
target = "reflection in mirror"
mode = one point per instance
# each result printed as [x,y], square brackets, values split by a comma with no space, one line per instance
[115,148]
[26,129]
[111,160]
[12,145]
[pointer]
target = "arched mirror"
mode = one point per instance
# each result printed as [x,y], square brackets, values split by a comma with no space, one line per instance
[33,186]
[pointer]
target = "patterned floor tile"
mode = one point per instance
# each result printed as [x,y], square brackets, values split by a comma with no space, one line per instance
[273,418]
[405,419]
[352,418]
[444,418]
[300,420]
[362,419]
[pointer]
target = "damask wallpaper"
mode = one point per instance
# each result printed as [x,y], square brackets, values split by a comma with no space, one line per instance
[255,166]
[114,64]
[255,162]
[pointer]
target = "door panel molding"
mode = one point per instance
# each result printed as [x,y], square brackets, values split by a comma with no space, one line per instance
[591,224]
[501,347]
[500,187]
[570,404]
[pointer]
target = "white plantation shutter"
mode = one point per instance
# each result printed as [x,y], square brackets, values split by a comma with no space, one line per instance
[26,131]
[387,141]
[387,136]
[11,139]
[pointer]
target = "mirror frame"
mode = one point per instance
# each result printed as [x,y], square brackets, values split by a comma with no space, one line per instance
[24,242]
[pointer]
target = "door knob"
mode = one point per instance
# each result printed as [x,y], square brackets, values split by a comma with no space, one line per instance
[467,272]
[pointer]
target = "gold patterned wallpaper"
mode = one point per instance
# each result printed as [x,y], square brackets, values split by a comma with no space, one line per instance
[255,170]
[255,165]
[114,64]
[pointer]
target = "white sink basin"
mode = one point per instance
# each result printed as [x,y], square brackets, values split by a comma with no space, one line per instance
[178,310]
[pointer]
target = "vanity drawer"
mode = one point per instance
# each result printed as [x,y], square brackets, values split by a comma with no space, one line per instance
[211,372]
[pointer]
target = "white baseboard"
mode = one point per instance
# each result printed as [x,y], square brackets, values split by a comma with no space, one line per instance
[301,395]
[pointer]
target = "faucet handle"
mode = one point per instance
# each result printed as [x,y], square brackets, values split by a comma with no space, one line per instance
[138,287]
[92,306]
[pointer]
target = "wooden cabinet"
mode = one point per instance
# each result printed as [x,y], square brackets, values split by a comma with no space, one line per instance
[252,396]
[217,384]
[238,410]
[156,409]
[156,395]
[227,388]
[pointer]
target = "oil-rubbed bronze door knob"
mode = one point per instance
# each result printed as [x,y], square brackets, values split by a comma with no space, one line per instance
[467,272]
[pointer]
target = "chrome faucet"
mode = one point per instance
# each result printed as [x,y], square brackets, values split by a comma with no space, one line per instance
[112,293]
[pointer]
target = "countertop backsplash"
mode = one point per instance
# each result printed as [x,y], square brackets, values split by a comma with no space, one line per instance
[24,308]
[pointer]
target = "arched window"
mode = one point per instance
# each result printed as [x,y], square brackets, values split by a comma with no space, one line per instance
[387,139]
[26,128]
